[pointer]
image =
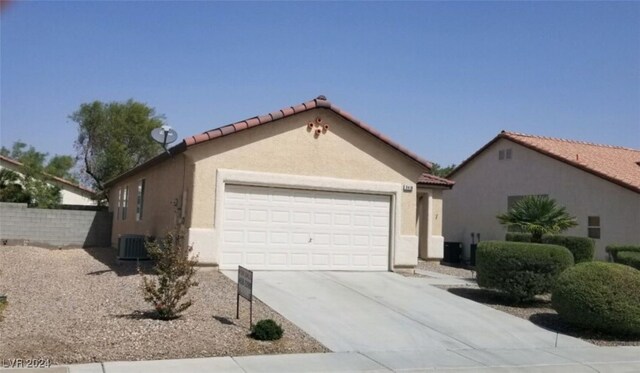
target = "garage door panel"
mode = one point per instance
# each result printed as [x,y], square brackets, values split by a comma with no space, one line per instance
[277,228]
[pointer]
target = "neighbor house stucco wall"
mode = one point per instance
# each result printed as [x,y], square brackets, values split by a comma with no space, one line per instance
[69,197]
[483,185]
[163,199]
[288,147]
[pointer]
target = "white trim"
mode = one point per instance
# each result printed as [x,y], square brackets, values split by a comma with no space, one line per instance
[226,176]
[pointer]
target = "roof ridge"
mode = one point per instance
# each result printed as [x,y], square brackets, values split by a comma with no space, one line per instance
[319,102]
[511,133]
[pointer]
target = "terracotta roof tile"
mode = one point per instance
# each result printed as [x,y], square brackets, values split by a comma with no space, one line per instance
[265,118]
[227,129]
[276,114]
[428,179]
[613,163]
[240,126]
[252,122]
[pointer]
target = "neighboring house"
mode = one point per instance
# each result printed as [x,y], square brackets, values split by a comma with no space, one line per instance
[71,193]
[305,187]
[598,184]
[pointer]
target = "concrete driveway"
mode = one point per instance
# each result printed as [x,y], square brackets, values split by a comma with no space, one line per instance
[386,312]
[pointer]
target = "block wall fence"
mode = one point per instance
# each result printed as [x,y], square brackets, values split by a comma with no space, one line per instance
[54,227]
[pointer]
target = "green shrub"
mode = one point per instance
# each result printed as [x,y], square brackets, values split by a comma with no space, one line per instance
[175,270]
[518,237]
[582,248]
[601,296]
[629,258]
[613,250]
[267,330]
[521,270]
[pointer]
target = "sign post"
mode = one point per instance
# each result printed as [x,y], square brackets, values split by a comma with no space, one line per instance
[245,290]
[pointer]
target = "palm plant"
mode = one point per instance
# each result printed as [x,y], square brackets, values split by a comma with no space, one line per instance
[538,215]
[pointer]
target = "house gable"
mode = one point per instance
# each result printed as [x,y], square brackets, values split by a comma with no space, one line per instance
[291,147]
[615,164]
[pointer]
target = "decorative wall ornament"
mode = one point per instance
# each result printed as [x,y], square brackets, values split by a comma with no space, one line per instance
[317,127]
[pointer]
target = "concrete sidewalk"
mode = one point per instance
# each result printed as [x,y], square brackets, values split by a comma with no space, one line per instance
[581,359]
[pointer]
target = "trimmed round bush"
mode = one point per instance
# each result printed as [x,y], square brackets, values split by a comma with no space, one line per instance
[629,258]
[267,330]
[613,250]
[582,248]
[521,270]
[600,296]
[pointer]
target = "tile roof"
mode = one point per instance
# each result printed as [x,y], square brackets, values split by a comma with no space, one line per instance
[52,177]
[616,164]
[319,102]
[428,179]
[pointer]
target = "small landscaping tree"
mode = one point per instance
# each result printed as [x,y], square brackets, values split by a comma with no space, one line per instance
[538,215]
[175,270]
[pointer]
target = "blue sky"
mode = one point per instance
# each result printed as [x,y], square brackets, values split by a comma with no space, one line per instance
[440,78]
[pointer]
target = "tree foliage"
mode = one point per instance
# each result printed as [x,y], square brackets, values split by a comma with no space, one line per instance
[31,184]
[36,162]
[538,215]
[440,171]
[114,137]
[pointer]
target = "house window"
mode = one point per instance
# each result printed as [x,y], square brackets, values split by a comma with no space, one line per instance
[125,202]
[504,154]
[140,200]
[593,227]
[119,203]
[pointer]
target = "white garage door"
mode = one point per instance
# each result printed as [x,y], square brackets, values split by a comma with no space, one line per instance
[277,228]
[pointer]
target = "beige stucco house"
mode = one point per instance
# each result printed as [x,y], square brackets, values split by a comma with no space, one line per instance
[305,187]
[598,184]
[71,193]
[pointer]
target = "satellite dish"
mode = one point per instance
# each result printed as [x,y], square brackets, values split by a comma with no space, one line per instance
[164,135]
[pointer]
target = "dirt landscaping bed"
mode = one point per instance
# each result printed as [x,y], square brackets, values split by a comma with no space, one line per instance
[539,312]
[82,305]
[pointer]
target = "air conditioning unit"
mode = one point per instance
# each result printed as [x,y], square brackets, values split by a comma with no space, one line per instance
[131,247]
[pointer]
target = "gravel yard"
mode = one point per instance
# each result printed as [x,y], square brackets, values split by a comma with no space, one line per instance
[81,305]
[435,266]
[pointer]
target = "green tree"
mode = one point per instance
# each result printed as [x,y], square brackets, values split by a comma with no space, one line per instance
[538,215]
[440,171]
[31,184]
[11,189]
[114,137]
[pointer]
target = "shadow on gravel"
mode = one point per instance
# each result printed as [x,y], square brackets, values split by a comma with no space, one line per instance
[109,257]
[492,297]
[552,321]
[143,315]
[224,320]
